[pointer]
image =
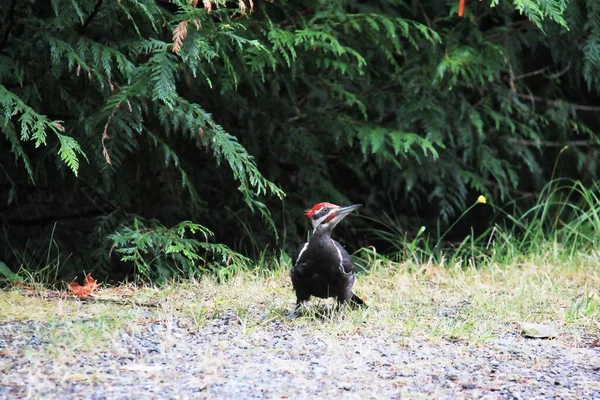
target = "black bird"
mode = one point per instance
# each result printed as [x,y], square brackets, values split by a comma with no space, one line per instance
[322,267]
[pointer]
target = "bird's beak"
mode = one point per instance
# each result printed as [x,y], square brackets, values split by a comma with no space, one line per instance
[343,211]
[339,215]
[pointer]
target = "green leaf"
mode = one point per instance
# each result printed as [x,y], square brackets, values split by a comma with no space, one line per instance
[8,275]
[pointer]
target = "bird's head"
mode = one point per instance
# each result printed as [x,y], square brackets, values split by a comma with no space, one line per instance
[325,216]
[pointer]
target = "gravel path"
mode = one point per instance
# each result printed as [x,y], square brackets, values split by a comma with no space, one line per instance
[223,360]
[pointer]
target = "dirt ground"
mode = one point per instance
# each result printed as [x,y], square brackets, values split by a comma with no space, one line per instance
[226,359]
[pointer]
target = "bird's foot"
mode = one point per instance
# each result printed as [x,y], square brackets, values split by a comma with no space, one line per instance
[298,310]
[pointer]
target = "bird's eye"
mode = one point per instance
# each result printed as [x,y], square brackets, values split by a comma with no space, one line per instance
[325,210]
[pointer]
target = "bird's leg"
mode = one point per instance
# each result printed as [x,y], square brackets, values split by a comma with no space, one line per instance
[301,299]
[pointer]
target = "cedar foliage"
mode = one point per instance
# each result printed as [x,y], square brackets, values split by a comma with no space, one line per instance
[124,121]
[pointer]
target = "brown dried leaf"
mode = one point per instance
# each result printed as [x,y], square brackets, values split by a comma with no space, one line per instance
[242,7]
[105,137]
[179,35]
[207,5]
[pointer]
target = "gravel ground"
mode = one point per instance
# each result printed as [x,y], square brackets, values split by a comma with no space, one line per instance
[178,360]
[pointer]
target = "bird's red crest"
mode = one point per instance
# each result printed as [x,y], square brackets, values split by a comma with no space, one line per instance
[317,207]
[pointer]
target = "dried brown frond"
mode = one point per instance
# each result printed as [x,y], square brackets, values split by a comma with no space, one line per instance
[242,7]
[194,3]
[105,136]
[179,35]
[207,5]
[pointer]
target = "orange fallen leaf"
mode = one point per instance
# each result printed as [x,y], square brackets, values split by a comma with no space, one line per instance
[89,285]
[91,282]
[78,290]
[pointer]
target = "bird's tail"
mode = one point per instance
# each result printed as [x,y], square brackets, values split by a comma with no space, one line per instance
[357,301]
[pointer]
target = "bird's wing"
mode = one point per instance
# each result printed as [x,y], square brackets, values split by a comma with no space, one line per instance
[347,264]
[299,253]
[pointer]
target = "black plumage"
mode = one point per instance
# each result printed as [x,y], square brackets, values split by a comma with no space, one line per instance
[322,267]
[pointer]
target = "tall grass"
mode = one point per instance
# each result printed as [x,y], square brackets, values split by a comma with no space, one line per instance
[562,222]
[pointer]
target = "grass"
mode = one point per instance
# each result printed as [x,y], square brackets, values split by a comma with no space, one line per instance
[406,300]
[545,269]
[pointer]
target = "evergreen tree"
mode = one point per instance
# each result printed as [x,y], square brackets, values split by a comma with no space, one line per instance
[124,121]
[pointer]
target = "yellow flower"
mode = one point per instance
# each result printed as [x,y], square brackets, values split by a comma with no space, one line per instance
[481,199]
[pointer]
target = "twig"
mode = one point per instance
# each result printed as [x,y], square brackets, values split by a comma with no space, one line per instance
[560,73]
[91,16]
[427,20]
[119,302]
[581,107]
[511,80]
[68,296]
[532,73]
[573,143]
[542,70]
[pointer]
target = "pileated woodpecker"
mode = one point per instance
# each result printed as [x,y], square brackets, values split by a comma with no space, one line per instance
[322,267]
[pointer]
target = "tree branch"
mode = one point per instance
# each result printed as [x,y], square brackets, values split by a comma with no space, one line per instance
[91,16]
[542,70]
[580,107]
[574,143]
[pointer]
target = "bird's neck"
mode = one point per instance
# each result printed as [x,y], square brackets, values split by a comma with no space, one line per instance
[320,235]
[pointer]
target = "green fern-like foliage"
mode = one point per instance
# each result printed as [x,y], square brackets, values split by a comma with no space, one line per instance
[113,73]
[160,253]
[162,111]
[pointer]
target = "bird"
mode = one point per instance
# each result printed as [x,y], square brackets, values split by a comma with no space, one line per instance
[321,266]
